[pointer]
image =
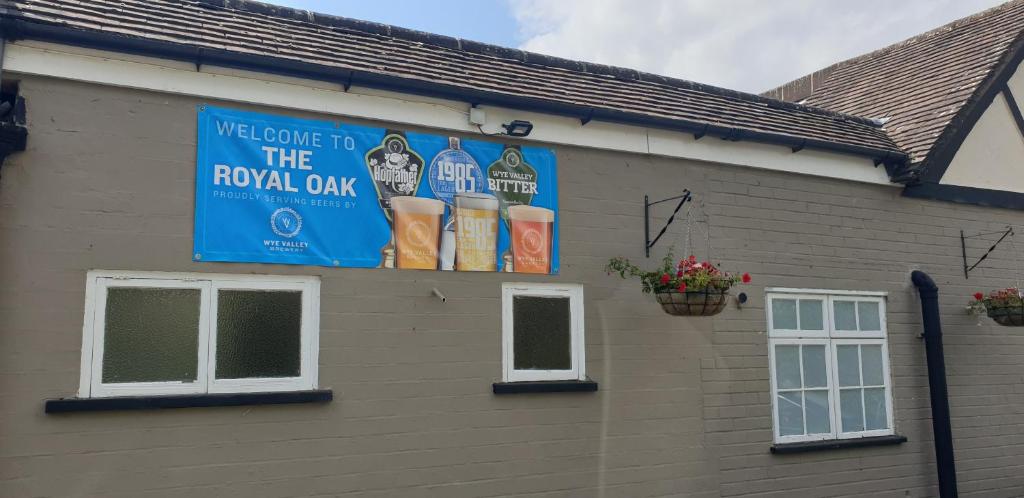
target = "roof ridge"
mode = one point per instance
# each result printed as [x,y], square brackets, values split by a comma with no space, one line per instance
[449,42]
[950,26]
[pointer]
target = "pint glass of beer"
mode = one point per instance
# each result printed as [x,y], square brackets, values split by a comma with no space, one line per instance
[417,231]
[476,232]
[531,238]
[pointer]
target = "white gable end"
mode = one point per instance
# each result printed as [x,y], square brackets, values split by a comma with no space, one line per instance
[992,155]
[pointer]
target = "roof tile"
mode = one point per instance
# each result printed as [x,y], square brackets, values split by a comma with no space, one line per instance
[248,27]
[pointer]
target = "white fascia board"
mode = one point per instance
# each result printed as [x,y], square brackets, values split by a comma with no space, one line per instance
[176,77]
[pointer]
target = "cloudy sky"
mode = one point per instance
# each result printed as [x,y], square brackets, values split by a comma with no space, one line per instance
[749,45]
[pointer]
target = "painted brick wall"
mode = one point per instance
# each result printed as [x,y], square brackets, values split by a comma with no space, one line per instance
[684,404]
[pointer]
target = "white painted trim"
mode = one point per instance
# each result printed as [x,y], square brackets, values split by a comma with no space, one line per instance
[886,377]
[775,389]
[97,281]
[209,82]
[307,370]
[577,371]
[831,338]
[98,388]
[861,334]
[798,332]
[830,292]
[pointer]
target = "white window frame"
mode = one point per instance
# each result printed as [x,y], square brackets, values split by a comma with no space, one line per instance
[837,417]
[829,361]
[831,338]
[575,294]
[97,283]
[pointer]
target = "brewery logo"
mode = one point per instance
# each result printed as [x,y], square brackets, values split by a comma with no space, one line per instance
[454,171]
[512,180]
[417,234]
[395,169]
[285,222]
[532,241]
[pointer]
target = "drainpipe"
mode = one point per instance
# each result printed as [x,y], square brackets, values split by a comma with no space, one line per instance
[941,428]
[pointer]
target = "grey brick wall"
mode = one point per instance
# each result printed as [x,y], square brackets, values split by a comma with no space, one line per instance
[684,404]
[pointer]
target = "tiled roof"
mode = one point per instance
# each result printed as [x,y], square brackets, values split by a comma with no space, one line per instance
[921,84]
[390,54]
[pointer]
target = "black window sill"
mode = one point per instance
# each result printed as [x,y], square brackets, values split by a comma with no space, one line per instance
[547,386]
[837,444]
[65,405]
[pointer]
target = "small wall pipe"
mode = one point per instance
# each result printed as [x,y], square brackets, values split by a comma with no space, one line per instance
[941,428]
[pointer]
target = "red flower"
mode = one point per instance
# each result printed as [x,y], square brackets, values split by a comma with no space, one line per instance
[746,278]
[679,273]
[978,296]
[682,286]
[693,259]
[665,278]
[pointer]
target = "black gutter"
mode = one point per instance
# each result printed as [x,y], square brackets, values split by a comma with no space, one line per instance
[941,428]
[14,29]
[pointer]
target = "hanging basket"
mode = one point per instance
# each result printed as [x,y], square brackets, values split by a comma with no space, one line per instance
[706,302]
[1008,316]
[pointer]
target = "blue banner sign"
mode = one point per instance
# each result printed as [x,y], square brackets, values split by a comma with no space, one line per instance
[277,189]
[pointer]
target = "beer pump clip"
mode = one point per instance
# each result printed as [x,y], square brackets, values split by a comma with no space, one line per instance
[453,171]
[395,169]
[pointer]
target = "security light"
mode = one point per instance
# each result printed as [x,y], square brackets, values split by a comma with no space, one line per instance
[518,128]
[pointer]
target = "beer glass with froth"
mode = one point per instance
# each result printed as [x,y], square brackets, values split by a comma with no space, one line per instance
[476,232]
[531,229]
[417,231]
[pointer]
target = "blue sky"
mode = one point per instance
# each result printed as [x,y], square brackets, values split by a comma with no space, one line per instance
[488,21]
[748,45]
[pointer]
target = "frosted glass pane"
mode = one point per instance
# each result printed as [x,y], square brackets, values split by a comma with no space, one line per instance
[258,334]
[871,357]
[542,337]
[868,313]
[817,412]
[814,366]
[787,367]
[846,318]
[151,335]
[874,409]
[791,414]
[810,315]
[851,410]
[849,366]
[784,314]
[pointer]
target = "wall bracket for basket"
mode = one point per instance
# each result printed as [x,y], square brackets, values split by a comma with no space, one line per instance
[648,243]
[963,246]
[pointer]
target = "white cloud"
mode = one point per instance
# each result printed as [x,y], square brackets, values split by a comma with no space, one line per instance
[749,45]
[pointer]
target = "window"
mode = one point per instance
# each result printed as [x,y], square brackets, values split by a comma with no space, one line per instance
[829,365]
[542,332]
[162,333]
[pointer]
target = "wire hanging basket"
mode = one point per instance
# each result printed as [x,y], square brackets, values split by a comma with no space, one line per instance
[704,302]
[1007,316]
[1004,306]
[685,287]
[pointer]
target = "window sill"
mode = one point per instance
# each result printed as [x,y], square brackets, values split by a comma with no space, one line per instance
[65,405]
[548,386]
[837,444]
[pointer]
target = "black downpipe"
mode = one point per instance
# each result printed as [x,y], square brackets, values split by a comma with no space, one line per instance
[941,428]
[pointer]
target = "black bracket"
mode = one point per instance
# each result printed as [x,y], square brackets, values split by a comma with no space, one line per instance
[348,82]
[963,246]
[648,243]
[700,134]
[586,119]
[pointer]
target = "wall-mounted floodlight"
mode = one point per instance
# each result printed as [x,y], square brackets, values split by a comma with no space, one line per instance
[518,128]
